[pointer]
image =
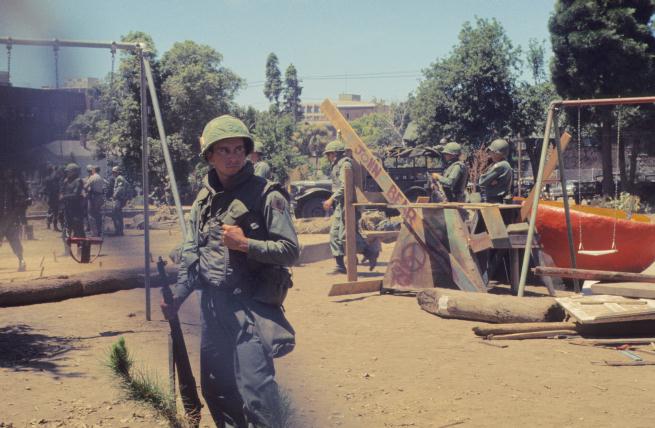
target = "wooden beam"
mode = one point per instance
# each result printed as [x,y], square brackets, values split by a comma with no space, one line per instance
[356,287]
[548,171]
[594,275]
[523,327]
[350,222]
[626,289]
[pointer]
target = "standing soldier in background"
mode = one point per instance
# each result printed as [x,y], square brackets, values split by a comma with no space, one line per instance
[73,200]
[240,240]
[51,191]
[262,168]
[335,152]
[13,203]
[455,177]
[120,196]
[95,195]
[496,182]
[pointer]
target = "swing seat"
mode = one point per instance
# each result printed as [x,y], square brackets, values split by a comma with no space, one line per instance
[598,252]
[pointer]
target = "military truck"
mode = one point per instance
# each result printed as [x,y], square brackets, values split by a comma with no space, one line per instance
[409,168]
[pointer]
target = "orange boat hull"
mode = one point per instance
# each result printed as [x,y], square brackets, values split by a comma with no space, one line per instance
[635,241]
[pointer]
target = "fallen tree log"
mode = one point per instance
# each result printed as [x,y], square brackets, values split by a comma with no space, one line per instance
[526,327]
[52,289]
[491,308]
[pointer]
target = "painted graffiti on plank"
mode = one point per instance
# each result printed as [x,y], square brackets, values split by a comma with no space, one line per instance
[412,260]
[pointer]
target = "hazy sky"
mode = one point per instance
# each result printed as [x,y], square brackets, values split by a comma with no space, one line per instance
[373,48]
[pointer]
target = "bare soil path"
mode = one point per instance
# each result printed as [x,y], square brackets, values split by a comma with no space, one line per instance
[361,361]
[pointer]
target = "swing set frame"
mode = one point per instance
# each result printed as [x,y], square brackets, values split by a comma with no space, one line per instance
[551,122]
[147,83]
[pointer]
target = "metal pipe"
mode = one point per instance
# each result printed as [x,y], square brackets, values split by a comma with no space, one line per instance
[71,43]
[535,202]
[604,101]
[144,167]
[164,147]
[565,196]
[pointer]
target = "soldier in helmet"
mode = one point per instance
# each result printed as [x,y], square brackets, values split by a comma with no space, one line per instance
[95,195]
[262,168]
[455,177]
[336,154]
[120,195]
[496,182]
[73,200]
[14,200]
[240,240]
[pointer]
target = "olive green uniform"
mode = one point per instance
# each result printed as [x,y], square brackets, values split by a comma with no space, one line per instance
[496,183]
[263,170]
[240,334]
[120,197]
[338,226]
[13,202]
[454,180]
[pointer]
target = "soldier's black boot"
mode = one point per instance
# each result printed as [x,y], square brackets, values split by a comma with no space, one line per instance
[341,267]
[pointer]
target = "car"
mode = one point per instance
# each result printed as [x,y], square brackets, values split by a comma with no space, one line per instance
[307,197]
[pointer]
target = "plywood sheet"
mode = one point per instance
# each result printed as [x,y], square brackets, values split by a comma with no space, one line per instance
[626,289]
[607,309]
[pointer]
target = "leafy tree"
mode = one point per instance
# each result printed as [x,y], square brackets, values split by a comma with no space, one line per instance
[310,139]
[273,85]
[469,95]
[377,131]
[292,91]
[195,88]
[602,49]
[276,134]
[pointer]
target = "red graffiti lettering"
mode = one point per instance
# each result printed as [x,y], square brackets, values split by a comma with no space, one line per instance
[374,168]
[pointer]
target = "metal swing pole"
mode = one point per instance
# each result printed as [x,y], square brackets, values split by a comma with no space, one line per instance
[535,202]
[164,146]
[565,196]
[144,170]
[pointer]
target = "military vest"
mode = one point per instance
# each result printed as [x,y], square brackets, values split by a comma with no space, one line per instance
[225,268]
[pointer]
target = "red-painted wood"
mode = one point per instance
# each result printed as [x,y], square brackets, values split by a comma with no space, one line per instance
[635,241]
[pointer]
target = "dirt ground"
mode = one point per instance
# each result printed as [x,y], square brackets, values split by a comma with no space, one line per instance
[362,361]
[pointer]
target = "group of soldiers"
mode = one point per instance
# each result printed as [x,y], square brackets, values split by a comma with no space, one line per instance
[495,185]
[495,182]
[76,203]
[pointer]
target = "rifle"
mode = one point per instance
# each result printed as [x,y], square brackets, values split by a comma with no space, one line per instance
[186,381]
[438,194]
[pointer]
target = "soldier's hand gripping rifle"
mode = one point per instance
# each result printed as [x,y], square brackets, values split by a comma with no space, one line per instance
[186,381]
[437,192]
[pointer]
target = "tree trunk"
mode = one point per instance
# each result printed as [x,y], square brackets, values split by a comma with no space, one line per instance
[606,152]
[636,146]
[491,308]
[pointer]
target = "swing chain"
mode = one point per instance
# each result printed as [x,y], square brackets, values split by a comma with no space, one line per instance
[9,46]
[113,62]
[55,49]
[618,167]
[580,247]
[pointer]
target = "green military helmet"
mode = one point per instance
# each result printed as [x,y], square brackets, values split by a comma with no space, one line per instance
[334,147]
[224,127]
[499,146]
[259,147]
[72,167]
[452,148]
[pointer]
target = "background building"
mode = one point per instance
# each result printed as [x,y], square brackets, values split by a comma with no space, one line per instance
[350,105]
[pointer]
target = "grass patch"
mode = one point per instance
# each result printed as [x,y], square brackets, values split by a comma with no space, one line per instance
[139,386]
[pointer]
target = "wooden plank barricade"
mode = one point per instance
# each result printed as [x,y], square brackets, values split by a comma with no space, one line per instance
[419,256]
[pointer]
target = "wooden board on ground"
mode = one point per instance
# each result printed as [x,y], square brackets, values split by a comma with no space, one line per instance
[593,275]
[626,289]
[607,309]
[356,287]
